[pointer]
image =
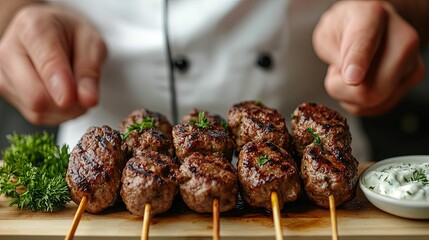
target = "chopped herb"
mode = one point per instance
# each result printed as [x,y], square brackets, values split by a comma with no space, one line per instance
[371,187]
[224,124]
[409,193]
[292,116]
[148,122]
[33,173]
[258,102]
[262,160]
[202,122]
[317,140]
[419,176]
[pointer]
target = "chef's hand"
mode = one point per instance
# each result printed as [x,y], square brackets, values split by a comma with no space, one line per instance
[373,55]
[50,61]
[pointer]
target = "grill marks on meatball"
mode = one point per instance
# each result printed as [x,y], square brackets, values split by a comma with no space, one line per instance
[149,177]
[278,173]
[264,166]
[215,138]
[160,121]
[204,146]
[95,167]
[205,177]
[251,121]
[156,137]
[329,125]
[328,168]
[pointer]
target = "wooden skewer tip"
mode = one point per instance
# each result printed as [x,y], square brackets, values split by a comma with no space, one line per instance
[276,216]
[216,219]
[146,221]
[334,225]
[77,217]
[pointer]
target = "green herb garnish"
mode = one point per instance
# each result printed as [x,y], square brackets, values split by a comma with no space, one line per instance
[292,116]
[419,176]
[224,124]
[317,140]
[258,103]
[148,122]
[202,122]
[33,172]
[262,160]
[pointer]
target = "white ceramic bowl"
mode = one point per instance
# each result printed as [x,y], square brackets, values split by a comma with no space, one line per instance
[402,208]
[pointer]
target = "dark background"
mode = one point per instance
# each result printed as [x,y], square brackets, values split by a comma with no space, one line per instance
[402,131]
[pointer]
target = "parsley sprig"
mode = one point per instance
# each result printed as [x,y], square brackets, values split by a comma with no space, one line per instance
[148,122]
[317,140]
[202,121]
[263,159]
[33,172]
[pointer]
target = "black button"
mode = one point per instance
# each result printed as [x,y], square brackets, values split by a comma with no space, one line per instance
[264,60]
[181,63]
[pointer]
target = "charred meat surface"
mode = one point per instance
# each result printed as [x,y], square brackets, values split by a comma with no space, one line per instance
[329,172]
[149,177]
[95,168]
[311,119]
[263,168]
[322,138]
[205,177]
[149,139]
[159,121]
[206,134]
[147,130]
[251,121]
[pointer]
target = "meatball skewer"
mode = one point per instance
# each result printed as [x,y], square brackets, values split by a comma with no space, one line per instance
[328,169]
[94,172]
[267,173]
[149,184]
[208,181]
[322,139]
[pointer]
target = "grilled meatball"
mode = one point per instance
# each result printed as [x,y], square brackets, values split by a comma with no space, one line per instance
[252,121]
[322,137]
[149,139]
[210,138]
[329,172]
[149,177]
[205,177]
[310,119]
[138,115]
[95,168]
[263,168]
[155,135]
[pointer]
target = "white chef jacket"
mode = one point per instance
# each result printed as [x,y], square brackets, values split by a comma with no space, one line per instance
[221,42]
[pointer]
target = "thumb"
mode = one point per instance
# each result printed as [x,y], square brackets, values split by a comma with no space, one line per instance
[360,40]
[89,55]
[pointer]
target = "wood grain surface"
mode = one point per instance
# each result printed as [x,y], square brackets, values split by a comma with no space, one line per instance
[358,219]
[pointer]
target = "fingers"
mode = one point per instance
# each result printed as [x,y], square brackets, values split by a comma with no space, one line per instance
[89,55]
[31,97]
[348,36]
[359,42]
[365,100]
[45,41]
[42,53]
[380,60]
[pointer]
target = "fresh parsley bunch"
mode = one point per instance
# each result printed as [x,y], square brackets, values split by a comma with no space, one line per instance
[33,172]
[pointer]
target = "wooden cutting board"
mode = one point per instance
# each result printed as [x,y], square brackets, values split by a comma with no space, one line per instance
[300,220]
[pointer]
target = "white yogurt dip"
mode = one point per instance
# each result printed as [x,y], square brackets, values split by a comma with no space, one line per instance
[408,181]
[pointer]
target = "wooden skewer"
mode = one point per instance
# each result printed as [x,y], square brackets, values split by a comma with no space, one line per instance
[146,221]
[276,216]
[333,217]
[216,219]
[77,217]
